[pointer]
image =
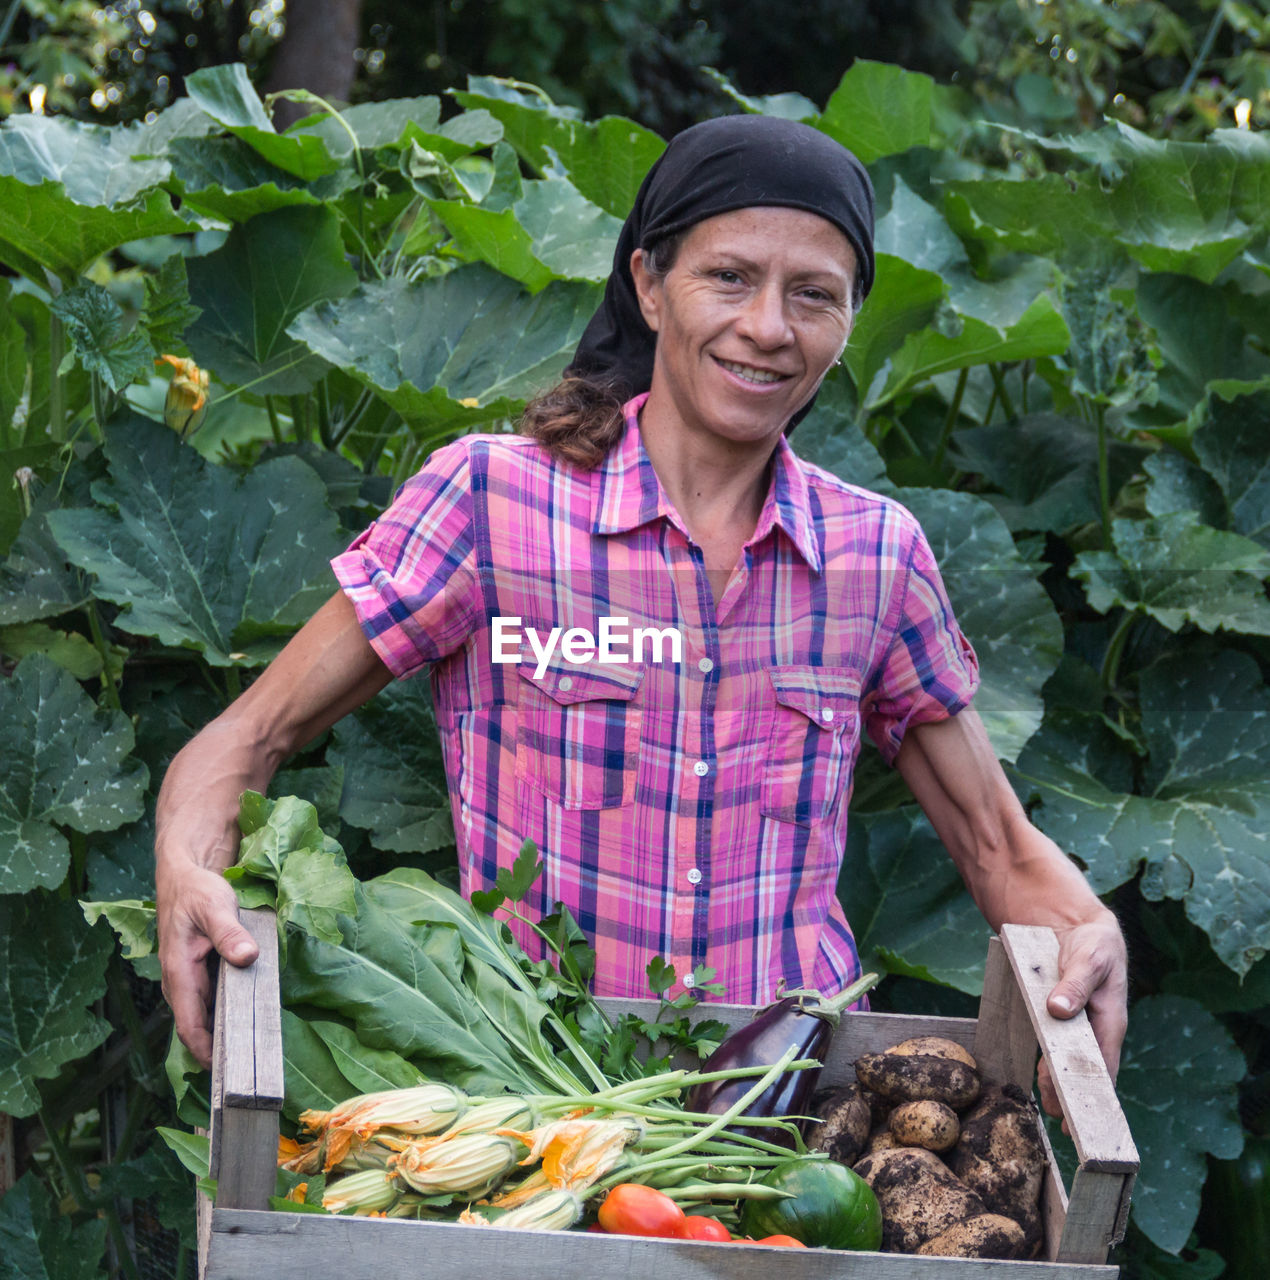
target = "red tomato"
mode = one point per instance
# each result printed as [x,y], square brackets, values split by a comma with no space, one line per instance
[630,1209]
[698,1227]
[785,1242]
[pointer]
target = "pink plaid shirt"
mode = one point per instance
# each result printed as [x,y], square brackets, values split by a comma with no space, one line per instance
[693,809]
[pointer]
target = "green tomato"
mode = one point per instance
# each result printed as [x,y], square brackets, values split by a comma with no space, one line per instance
[829,1206]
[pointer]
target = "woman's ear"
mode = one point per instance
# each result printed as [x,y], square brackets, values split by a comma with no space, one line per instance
[647,290]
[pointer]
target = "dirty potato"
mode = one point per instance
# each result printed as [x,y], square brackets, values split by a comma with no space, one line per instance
[844,1122]
[988,1235]
[919,1195]
[912,1077]
[936,1047]
[999,1155]
[925,1124]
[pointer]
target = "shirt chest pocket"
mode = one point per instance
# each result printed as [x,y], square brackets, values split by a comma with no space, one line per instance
[577,733]
[814,737]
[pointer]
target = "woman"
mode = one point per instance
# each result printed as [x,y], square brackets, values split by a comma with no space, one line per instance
[693,807]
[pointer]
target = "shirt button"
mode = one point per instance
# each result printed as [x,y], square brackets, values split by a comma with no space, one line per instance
[566,683]
[701,768]
[706,665]
[689,980]
[826,713]
[694,876]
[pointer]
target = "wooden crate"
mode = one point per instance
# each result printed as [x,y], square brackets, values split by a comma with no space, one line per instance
[241,1239]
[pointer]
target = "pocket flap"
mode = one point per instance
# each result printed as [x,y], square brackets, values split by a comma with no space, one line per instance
[827,696]
[568,682]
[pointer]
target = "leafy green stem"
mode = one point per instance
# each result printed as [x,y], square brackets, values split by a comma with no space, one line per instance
[1104,475]
[57,380]
[74,1178]
[950,421]
[1115,650]
[274,425]
[1002,394]
[233,682]
[103,649]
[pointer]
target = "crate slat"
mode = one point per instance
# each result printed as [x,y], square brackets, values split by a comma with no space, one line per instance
[287,1246]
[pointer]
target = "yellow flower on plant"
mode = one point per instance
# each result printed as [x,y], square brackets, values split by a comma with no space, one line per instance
[186,404]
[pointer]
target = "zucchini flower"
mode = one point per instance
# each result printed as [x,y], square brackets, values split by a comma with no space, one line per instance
[547,1211]
[508,1112]
[533,1185]
[371,1191]
[427,1108]
[575,1152]
[186,404]
[473,1163]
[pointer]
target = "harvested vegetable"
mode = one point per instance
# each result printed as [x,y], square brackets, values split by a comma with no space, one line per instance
[988,1235]
[827,1206]
[919,1195]
[911,1077]
[926,1123]
[630,1209]
[803,1021]
[696,1226]
[999,1156]
[845,1119]
[783,1242]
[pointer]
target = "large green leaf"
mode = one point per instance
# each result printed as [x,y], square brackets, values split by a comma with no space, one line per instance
[311,1080]
[394,775]
[907,905]
[62,763]
[605,159]
[1177,1084]
[830,437]
[39,1242]
[367,1070]
[224,178]
[552,232]
[71,191]
[266,273]
[471,335]
[54,968]
[1232,443]
[1002,608]
[1176,570]
[879,109]
[1199,341]
[99,335]
[198,556]
[1201,827]
[1046,468]
[226,94]
[35,580]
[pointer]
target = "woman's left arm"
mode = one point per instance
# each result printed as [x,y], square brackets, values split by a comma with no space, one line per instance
[1017,874]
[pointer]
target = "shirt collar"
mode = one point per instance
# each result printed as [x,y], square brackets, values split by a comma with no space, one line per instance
[626,493]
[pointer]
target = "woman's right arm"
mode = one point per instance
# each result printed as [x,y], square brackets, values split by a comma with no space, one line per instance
[326,670]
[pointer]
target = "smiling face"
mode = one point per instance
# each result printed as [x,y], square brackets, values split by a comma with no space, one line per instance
[750,317]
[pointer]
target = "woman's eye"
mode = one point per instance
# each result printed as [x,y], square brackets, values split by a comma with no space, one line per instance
[725,276]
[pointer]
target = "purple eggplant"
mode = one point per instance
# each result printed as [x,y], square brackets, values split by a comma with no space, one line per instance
[805,1020]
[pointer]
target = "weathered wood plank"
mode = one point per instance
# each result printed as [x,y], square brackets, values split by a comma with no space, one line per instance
[1085,1090]
[1005,1043]
[1097,1209]
[1053,1199]
[285,1246]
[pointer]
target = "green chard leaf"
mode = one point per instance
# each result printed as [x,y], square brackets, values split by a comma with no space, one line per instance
[133,920]
[311,1080]
[54,968]
[198,556]
[1177,1084]
[62,763]
[39,1242]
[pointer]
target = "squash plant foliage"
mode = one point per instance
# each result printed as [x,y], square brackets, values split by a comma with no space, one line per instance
[1064,369]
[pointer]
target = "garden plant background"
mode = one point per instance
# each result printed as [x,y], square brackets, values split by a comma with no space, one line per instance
[1064,370]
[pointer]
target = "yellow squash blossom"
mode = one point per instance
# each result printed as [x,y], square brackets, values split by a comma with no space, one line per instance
[186,402]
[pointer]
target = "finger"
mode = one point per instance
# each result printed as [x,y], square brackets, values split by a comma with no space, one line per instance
[187,988]
[1049,1094]
[215,915]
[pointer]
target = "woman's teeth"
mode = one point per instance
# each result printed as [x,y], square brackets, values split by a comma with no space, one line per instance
[749,373]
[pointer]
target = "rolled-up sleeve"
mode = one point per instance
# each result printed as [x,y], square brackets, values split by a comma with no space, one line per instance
[930,670]
[411,575]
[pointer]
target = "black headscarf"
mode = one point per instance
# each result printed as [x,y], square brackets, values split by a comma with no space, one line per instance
[734,162]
